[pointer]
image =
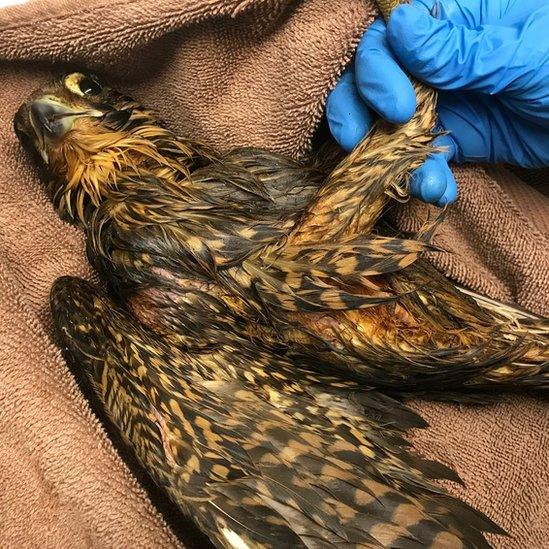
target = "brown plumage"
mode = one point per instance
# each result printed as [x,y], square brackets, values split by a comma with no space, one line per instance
[252,312]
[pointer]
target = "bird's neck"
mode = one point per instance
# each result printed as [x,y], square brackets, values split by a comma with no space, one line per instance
[93,175]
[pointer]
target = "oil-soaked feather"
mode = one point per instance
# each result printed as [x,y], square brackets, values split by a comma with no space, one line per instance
[251,456]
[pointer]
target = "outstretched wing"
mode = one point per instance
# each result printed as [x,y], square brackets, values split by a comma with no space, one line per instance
[260,453]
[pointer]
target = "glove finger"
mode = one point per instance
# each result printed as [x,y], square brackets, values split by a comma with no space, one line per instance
[450,194]
[434,182]
[449,56]
[349,119]
[483,130]
[381,82]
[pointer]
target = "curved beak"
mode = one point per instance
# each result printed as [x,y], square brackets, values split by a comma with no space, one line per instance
[49,120]
[52,119]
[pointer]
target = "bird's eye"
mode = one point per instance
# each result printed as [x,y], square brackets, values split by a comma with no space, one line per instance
[89,87]
[82,85]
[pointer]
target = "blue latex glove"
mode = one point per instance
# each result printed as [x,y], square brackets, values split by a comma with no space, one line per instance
[490,61]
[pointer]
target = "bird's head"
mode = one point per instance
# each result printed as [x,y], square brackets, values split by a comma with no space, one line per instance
[82,133]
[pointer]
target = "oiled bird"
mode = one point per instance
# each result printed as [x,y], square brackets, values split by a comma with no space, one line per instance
[252,314]
[279,251]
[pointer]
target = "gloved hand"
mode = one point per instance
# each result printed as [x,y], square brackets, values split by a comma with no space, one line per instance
[490,61]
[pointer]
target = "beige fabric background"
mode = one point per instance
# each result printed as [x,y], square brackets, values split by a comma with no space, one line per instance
[231,72]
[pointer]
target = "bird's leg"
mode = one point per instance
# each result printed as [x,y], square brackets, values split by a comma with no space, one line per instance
[355,193]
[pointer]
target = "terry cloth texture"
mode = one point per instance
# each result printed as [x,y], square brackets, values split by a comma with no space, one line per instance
[232,73]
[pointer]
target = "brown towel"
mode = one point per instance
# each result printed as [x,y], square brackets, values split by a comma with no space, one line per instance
[231,72]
